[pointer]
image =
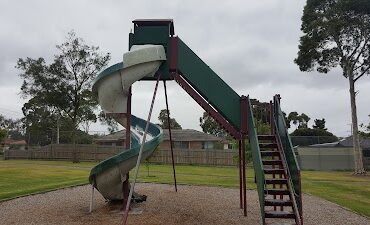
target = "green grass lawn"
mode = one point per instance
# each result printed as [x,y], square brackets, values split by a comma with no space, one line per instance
[21,177]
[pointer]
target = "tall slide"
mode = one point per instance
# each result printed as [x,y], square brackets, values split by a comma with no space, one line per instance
[154,49]
[112,88]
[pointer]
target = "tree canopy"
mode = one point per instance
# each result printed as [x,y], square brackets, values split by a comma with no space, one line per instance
[210,126]
[336,33]
[163,119]
[319,124]
[300,120]
[11,128]
[61,89]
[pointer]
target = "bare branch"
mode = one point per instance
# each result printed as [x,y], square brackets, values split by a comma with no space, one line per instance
[362,50]
[363,73]
[357,47]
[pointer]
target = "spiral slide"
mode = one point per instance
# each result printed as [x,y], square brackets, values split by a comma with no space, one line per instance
[112,89]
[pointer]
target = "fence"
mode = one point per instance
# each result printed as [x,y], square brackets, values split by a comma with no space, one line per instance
[218,157]
[311,140]
[311,158]
[101,152]
[65,152]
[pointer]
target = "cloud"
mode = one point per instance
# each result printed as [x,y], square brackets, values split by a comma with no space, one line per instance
[250,44]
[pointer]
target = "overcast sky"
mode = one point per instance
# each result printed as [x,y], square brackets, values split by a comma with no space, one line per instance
[250,44]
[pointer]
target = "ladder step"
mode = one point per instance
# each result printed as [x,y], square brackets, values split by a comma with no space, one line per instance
[278,202]
[273,171]
[279,214]
[266,137]
[268,145]
[272,162]
[277,192]
[270,153]
[277,181]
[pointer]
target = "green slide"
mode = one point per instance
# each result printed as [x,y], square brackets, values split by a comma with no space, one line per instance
[112,89]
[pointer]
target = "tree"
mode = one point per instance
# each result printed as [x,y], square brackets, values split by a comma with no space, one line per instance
[62,89]
[312,136]
[287,121]
[303,120]
[3,134]
[300,120]
[319,124]
[293,117]
[163,119]
[210,126]
[108,121]
[12,128]
[366,130]
[337,33]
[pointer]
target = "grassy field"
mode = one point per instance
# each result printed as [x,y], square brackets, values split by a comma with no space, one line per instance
[21,177]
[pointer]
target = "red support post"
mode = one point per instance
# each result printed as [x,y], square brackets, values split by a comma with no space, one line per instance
[170,133]
[244,176]
[244,131]
[240,175]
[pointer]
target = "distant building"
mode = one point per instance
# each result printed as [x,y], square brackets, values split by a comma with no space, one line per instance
[333,156]
[182,139]
[8,143]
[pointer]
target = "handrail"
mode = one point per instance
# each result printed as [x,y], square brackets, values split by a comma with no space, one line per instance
[257,158]
[295,185]
[290,182]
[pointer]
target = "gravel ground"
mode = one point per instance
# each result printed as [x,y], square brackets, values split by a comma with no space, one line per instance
[191,205]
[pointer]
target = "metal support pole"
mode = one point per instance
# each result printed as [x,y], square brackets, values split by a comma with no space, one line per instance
[170,133]
[244,176]
[92,199]
[240,175]
[244,104]
[128,122]
[125,215]
[125,184]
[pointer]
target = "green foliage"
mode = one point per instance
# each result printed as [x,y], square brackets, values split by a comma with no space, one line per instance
[311,132]
[314,136]
[163,119]
[319,124]
[336,32]
[298,119]
[61,89]
[366,130]
[210,126]
[3,134]
[13,128]
[108,121]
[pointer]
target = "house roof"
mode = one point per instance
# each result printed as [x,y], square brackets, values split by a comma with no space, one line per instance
[9,141]
[177,135]
[116,136]
[346,142]
[189,135]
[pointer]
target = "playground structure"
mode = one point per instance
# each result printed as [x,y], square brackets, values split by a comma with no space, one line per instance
[155,53]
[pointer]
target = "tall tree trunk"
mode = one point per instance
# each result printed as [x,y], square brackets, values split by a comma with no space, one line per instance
[357,152]
[75,158]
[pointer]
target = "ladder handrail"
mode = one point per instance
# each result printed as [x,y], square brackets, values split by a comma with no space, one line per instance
[257,158]
[276,114]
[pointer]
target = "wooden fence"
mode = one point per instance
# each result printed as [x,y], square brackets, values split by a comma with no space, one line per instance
[100,152]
